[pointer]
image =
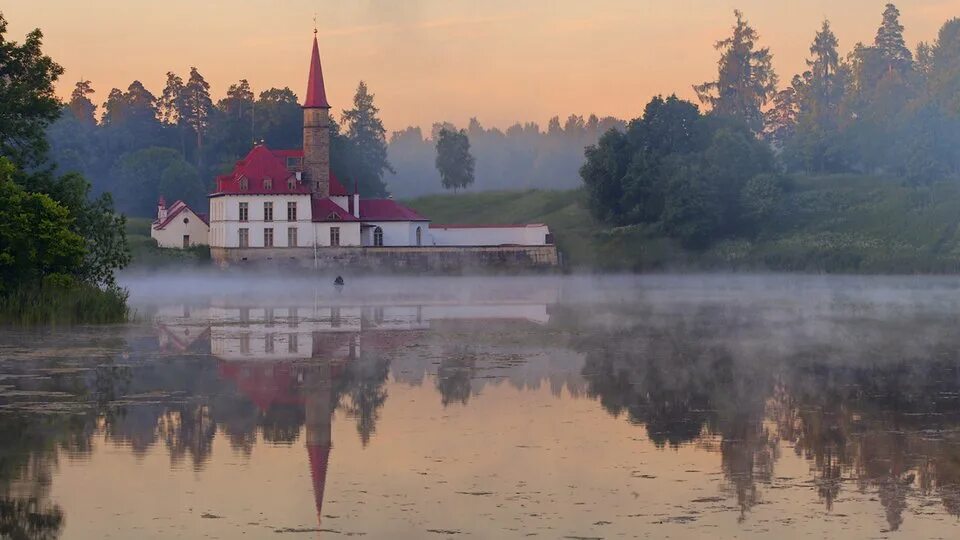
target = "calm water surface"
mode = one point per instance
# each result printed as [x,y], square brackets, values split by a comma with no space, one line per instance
[547,407]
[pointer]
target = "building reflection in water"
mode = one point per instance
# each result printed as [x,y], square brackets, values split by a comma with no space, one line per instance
[875,411]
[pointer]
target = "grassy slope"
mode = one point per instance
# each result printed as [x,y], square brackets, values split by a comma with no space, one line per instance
[835,223]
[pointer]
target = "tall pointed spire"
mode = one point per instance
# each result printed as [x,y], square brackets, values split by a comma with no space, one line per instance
[316,94]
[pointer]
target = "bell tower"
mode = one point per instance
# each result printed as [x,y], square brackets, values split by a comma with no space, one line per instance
[316,130]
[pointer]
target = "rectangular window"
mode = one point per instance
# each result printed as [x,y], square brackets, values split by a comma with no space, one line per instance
[292,237]
[268,238]
[292,345]
[268,211]
[244,237]
[334,236]
[244,212]
[244,343]
[268,344]
[186,240]
[291,211]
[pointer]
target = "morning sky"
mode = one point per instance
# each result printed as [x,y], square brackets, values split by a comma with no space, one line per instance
[430,60]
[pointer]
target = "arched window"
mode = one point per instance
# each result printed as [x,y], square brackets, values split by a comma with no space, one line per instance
[378,236]
[419,236]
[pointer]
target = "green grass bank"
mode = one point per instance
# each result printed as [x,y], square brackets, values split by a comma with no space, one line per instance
[837,223]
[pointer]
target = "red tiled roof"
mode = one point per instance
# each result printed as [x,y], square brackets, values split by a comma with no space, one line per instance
[175,210]
[316,94]
[485,226]
[262,163]
[387,210]
[324,210]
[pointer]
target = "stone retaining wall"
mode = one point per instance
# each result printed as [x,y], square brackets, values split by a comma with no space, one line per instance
[440,259]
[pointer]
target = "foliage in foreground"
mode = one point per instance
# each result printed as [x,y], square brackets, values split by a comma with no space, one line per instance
[59,247]
[61,300]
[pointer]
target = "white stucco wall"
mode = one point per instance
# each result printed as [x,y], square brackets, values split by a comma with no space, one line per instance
[349,233]
[397,233]
[528,235]
[225,221]
[186,223]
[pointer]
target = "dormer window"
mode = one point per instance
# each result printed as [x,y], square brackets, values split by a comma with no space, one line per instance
[292,183]
[268,184]
[244,183]
[334,217]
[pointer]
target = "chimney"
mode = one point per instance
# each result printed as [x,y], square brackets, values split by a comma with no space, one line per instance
[355,201]
[161,209]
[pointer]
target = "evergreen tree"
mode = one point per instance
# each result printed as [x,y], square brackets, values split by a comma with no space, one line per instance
[825,88]
[197,110]
[365,130]
[80,105]
[454,161]
[746,78]
[890,42]
[231,133]
[278,119]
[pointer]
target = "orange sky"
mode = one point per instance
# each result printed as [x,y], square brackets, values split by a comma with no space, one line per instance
[430,60]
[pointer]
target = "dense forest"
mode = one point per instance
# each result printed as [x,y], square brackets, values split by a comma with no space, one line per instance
[881,110]
[138,145]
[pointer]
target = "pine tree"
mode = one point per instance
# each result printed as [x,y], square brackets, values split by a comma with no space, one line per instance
[80,105]
[825,87]
[890,42]
[366,132]
[171,101]
[746,80]
[197,109]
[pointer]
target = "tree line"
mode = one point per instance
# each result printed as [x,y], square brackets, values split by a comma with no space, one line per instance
[522,156]
[138,145]
[699,177]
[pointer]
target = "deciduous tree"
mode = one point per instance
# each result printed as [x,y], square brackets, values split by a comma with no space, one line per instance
[454,161]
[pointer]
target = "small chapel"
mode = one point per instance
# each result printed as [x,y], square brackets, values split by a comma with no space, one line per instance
[286,204]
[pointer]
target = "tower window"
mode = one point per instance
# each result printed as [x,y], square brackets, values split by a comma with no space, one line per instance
[378,236]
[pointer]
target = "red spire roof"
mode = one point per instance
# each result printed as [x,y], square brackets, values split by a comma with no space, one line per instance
[316,95]
[319,456]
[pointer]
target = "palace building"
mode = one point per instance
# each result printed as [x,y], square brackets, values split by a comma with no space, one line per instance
[287,205]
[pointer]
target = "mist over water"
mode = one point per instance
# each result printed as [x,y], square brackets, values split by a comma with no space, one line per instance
[492,407]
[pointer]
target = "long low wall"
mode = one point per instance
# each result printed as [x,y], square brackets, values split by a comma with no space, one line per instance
[441,259]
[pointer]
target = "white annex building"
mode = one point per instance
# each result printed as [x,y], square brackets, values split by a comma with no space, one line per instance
[284,204]
[179,226]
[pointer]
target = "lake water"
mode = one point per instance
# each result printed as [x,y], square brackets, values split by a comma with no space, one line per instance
[545,407]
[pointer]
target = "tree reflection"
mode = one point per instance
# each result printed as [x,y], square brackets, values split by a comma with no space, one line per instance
[890,426]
